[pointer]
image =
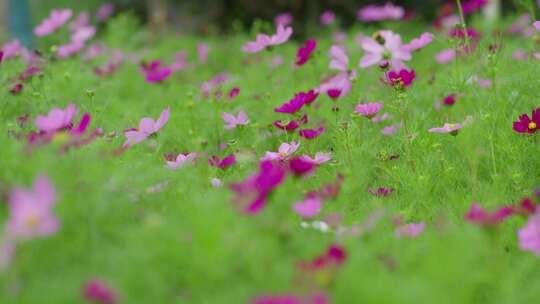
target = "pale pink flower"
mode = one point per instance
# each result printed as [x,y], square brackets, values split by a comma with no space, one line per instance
[94,51]
[450,22]
[56,119]
[319,159]
[263,41]
[202,52]
[536,25]
[12,49]
[285,150]
[104,12]
[276,61]
[180,61]
[420,42]
[83,33]
[447,128]
[309,207]
[445,56]
[529,236]
[283,19]
[341,82]
[380,13]
[387,46]
[234,121]
[31,211]
[180,161]
[53,22]
[368,109]
[339,37]
[380,118]
[410,230]
[70,49]
[147,127]
[81,21]
[537,55]
[391,129]
[327,17]
[519,54]
[216,182]
[338,58]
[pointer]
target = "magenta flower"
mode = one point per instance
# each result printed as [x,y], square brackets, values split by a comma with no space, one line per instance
[286,126]
[147,127]
[57,119]
[368,109]
[380,13]
[309,207]
[285,150]
[235,121]
[472,6]
[319,159]
[334,93]
[327,17]
[449,100]
[224,163]
[447,128]
[386,45]
[155,71]
[234,92]
[1,56]
[311,133]
[30,211]
[53,22]
[294,105]
[401,79]
[419,43]
[526,208]
[299,166]
[252,194]
[334,256]
[16,89]
[445,56]
[410,230]
[526,124]
[180,160]
[529,236]
[263,41]
[338,58]
[381,192]
[99,292]
[339,85]
[318,298]
[477,215]
[304,53]
[283,19]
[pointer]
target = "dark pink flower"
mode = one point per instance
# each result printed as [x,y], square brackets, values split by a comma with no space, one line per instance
[334,256]
[293,106]
[286,126]
[234,92]
[477,215]
[156,72]
[299,166]
[401,79]
[327,17]
[526,124]
[1,56]
[224,163]
[334,93]
[99,292]
[311,133]
[460,33]
[16,89]
[472,6]
[449,100]
[526,208]
[304,53]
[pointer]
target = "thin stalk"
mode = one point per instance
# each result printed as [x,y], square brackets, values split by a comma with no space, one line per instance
[463,24]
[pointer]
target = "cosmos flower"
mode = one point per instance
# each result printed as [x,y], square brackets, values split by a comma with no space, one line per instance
[283,19]
[385,45]
[56,119]
[311,133]
[445,56]
[447,128]
[294,105]
[81,21]
[337,86]
[98,291]
[224,163]
[70,49]
[410,230]
[317,298]
[285,150]
[477,215]
[419,43]
[327,17]
[526,124]
[104,12]
[304,53]
[319,159]
[333,257]
[53,22]
[529,236]
[299,166]
[147,127]
[286,126]
[391,129]
[472,6]
[401,79]
[309,207]
[234,121]
[234,92]
[368,109]
[155,71]
[180,160]
[263,41]
[449,100]
[338,58]
[388,11]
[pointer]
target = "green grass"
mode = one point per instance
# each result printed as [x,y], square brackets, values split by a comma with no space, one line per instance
[187,244]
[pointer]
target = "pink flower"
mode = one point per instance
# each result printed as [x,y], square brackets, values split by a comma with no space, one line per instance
[83,34]
[285,150]
[327,17]
[283,19]
[81,21]
[30,211]
[445,56]
[477,215]
[320,158]
[391,129]
[472,6]
[180,160]
[386,45]
[380,13]
[338,86]
[304,53]
[288,126]
[16,89]
[56,119]
[447,128]
[263,41]
[449,100]
[155,71]
[529,236]
[224,163]
[339,59]
[519,54]
[536,25]
[368,109]
[311,133]
[147,127]
[99,292]
[202,51]
[299,166]
[526,124]
[53,22]
[401,79]
[12,49]
[293,106]
[234,92]
[179,61]
[318,298]
[104,12]
[380,118]
[232,122]
[309,207]
[334,256]
[70,49]
[410,230]
[420,42]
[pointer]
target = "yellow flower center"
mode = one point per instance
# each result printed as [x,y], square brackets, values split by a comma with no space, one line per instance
[451,126]
[32,221]
[532,125]
[60,137]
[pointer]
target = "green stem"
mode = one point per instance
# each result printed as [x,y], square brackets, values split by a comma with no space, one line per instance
[463,24]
